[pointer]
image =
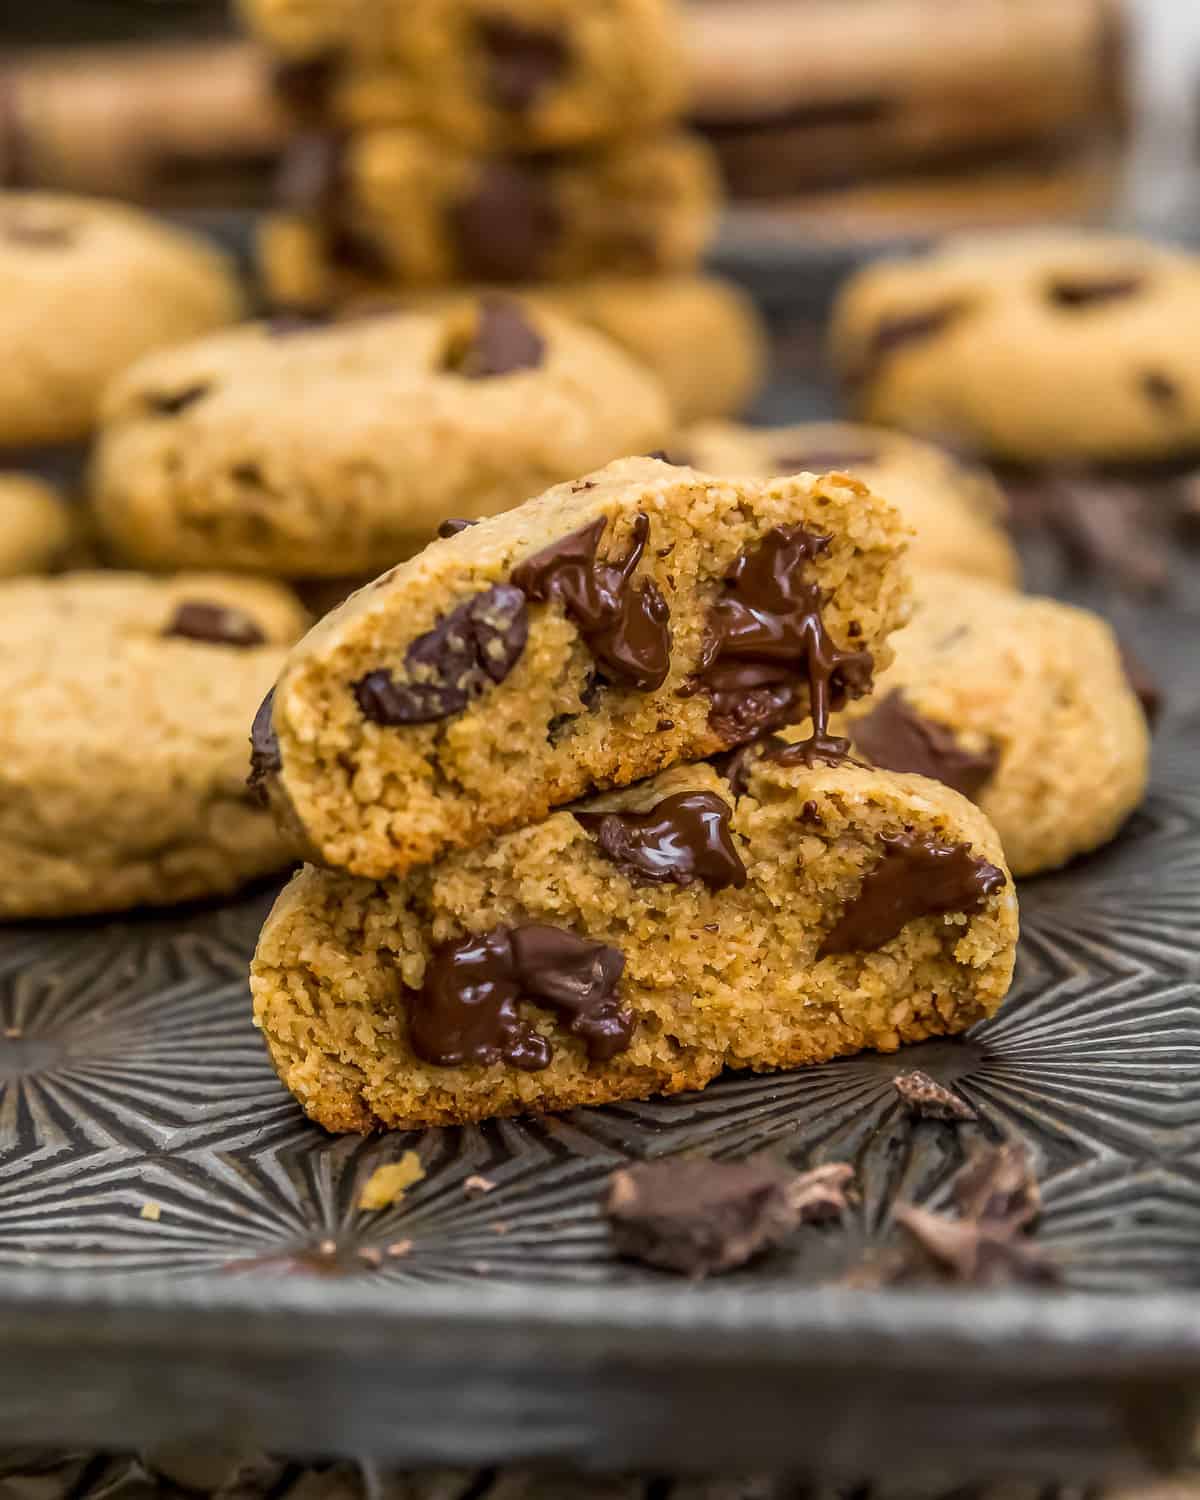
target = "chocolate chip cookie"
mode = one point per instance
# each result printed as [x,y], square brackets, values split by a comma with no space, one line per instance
[492,74]
[336,450]
[36,531]
[1036,348]
[86,288]
[612,627]
[956,511]
[127,703]
[403,205]
[637,944]
[1020,703]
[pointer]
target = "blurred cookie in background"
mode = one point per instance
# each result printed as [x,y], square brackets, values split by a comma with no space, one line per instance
[956,511]
[37,531]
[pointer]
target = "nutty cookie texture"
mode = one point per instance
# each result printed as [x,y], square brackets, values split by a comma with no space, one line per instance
[328,450]
[1035,348]
[612,627]
[36,531]
[86,288]
[639,944]
[125,704]
[400,205]
[1022,704]
[956,511]
[496,75]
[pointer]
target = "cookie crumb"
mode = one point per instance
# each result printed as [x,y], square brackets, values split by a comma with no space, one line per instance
[151,1210]
[387,1184]
[476,1186]
[929,1100]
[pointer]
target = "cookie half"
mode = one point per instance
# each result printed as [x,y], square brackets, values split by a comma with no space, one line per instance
[645,615]
[638,945]
[125,709]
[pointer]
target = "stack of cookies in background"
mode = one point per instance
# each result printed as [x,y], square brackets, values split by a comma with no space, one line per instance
[533,144]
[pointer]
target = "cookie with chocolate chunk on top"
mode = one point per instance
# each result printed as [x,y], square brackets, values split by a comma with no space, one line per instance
[124,740]
[313,450]
[1036,348]
[957,511]
[637,944]
[615,625]
[1022,704]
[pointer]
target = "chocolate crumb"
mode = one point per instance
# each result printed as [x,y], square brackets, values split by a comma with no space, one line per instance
[925,1097]
[978,1254]
[998,1185]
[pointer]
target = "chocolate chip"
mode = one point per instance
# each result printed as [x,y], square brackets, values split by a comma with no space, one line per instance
[684,838]
[765,642]
[468,1009]
[504,341]
[624,624]
[1160,389]
[504,228]
[897,332]
[917,876]
[171,403]
[817,460]
[925,1097]
[810,814]
[452,525]
[218,624]
[895,737]
[521,62]
[479,642]
[699,1217]
[248,473]
[1085,291]
[1145,685]
[265,759]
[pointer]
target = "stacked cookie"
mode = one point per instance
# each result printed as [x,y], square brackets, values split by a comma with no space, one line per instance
[472,940]
[531,143]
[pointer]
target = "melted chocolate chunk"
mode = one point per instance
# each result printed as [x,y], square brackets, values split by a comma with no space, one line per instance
[897,332]
[766,641]
[624,625]
[522,62]
[1145,685]
[1084,291]
[479,642]
[699,1217]
[219,624]
[503,341]
[683,838]
[265,759]
[895,737]
[171,403]
[504,229]
[468,1010]
[452,525]
[819,460]
[925,1097]
[917,877]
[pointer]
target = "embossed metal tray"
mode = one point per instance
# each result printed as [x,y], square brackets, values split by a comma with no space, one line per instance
[181,1254]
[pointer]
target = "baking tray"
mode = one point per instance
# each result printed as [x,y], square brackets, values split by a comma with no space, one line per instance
[132,1084]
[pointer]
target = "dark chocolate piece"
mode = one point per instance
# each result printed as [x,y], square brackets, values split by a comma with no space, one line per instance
[624,625]
[265,759]
[897,332]
[997,1185]
[503,341]
[305,85]
[1107,525]
[522,62]
[918,876]
[479,642]
[925,1097]
[467,1012]
[505,227]
[1160,389]
[171,403]
[818,460]
[766,641]
[1083,291]
[683,838]
[1145,685]
[452,525]
[699,1217]
[895,737]
[977,1254]
[218,624]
